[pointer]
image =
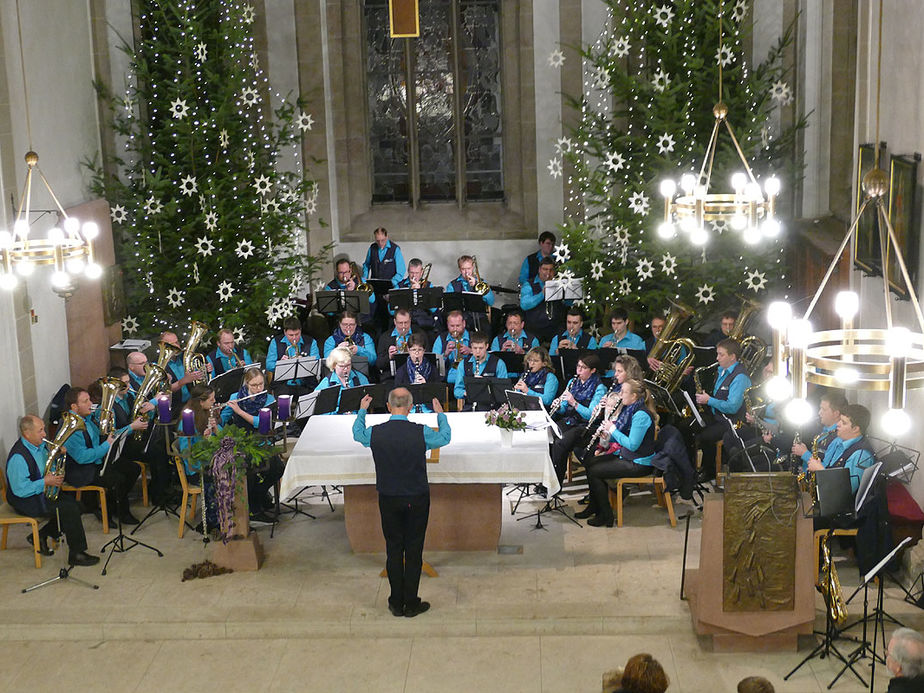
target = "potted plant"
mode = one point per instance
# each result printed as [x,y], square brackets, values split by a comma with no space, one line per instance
[507,420]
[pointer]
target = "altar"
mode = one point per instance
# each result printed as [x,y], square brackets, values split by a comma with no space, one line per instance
[465,485]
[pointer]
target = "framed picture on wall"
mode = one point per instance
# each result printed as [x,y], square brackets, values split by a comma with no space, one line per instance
[903,178]
[113,295]
[866,253]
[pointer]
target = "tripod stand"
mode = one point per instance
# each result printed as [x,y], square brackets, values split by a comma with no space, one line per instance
[162,506]
[553,504]
[122,543]
[64,573]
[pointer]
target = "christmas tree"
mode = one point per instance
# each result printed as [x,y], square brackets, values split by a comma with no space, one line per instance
[647,113]
[208,225]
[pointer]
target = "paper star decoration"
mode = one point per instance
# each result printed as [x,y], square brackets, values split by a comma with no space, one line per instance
[563,145]
[225,291]
[740,8]
[661,81]
[128,104]
[249,96]
[270,206]
[596,269]
[665,143]
[620,48]
[223,140]
[202,202]
[781,93]
[638,203]
[311,206]
[204,246]
[756,281]
[152,206]
[724,56]
[244,249]
[175,298]
[601,78]
[249,14]
[555,168]
[118,214]
[201,52]
[566,277]
[556,58]
[615,161]
[621,235]
[705,294]
[188,185]
[277,310]
[129,324]
[663,15]
[239,334]
[211,221]
[196,272]
[305,121]
[625,287]
[561,253]
[262,185]
[645,269]
[178,108]
[719,226]
[668,264]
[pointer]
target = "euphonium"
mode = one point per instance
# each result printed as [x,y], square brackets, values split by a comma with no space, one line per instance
[70,424]
[830,585]
[674,363]
[193,361]
[679,314]
[481,287]
[753,349]
[155,378]
[110,388]
[365,287]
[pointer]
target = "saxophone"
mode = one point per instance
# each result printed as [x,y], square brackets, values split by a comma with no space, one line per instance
[830,585]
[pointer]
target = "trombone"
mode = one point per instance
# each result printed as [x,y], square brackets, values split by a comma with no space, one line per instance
[362,286]
[481,286]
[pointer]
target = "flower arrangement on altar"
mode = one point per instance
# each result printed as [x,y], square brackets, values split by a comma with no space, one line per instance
[506,418]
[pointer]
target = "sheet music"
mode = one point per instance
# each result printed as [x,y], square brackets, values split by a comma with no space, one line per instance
[305,406]
[115,450]
[699,419]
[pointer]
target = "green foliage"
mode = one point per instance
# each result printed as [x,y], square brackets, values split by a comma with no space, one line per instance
[202,165]
[624,113]
[250,450]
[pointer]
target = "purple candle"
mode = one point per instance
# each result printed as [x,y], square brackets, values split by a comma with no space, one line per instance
[265,420]
[163,409]
[284,407]
[189,423]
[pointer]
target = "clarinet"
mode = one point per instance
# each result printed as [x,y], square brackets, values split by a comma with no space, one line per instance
[556,403]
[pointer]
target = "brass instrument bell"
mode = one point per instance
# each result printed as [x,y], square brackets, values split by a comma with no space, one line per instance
[70,424]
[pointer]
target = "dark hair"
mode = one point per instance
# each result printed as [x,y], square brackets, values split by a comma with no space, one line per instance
[576,310]
[590,359]
[415,262]
[117,372]
[417,339]
[291,323]
[836,400]
[547,261]
[342,261]
[515,312]
[858,415]
[199,393]
[755,684]
[347,314]
[547,236]
[96,391]
[730,346]
[733,314]
[644,674]
[382,230]
[619,313]
[479,336]
[70,397]
[402,311]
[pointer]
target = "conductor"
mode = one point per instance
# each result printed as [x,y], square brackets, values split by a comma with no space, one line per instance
[399,450]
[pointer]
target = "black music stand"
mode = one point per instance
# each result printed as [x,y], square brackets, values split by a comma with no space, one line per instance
[416,299]
[228,382]
[165,429]
[120,543]
[486,391]
[64,573]
[350,397]
[663,399]
[331,302]
[566,360]
[523,402]
[296,369]
[512,360]
[423,393]
[399,360]
[607,355]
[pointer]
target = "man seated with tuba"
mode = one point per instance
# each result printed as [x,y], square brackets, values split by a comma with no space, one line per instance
[179,379]
[394,342]
[655,326]
[86,451]
[417,279]
[727,326]
[25,492]
[574,336]
[291,344]
[226,356]
[454,344]
[468,280]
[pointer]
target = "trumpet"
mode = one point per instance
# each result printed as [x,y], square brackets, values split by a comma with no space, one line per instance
[70,424]
[481,287]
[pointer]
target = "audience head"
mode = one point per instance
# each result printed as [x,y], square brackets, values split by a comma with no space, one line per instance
[644,674]
[755,684]
[905,654]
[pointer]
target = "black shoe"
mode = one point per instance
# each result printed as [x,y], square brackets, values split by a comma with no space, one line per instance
[397,610]
[598,521]
[704,476]
[584,501]
[44,549]
[261,519]
[82,558]
[540,490]
[584,514]
[412,611]
[128,519]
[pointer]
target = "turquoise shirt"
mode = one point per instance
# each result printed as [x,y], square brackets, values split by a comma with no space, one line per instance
[17,471]
[856,463]
[433,439]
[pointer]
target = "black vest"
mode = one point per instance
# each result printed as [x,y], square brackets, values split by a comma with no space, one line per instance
[645,449]
[532,262]
[861,444]
[384,268]
[490,367]
[537,317]
[582,341]
[399,452]
[722,393]
[219,366]
[33,506]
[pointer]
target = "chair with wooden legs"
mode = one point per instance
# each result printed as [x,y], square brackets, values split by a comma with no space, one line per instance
[144,483]
[188,502]
[656,482]
[8,517]
[103,506]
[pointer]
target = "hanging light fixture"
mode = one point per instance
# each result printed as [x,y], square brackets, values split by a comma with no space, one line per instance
[885,360]
[68,246]
[749,208]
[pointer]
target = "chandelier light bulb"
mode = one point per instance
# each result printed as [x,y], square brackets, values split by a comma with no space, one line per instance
[687,224]
[56,236]
[21,228]
[75,265]
[687,182]
[666,230]
[896,422]
[799,411]
[90,230]
[25,268]
[93,270]
[6,240]
[71,225]
[898,342]
[772,186]
[60,279]
[779,313]
[779,388]
[847,375]
[668,187]
[739,222]
[738,181]
[846,304]
[699,236]
[800,332]
[770,228]
[752,192]
[699,191]
[751,235]
[8,281]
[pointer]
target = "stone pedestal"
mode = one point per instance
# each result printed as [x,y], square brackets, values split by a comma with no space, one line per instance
[244,551]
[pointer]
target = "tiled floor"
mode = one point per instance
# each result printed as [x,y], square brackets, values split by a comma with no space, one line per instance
[575,602]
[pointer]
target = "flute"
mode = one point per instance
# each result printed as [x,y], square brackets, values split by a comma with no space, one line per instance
[241,399]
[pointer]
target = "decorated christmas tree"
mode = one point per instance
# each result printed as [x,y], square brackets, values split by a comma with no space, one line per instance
[208,223]
[647,113]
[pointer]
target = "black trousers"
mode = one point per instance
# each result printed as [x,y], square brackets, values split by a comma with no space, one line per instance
[152,449]
[404,524]
[706,441]
[68,509]
[260,481]
[605,467]
[562,447]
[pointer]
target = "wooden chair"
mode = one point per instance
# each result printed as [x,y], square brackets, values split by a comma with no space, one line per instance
[189,494]
[103,507]
[8,517]
[657,482]
[819,534]
[144,483]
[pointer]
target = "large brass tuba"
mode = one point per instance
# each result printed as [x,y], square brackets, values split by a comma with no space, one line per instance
[753,349]
[155,379]
[679,314]
[365,287]
[193,361]
[70,424]
[481,286]
[110,388]
[674,363]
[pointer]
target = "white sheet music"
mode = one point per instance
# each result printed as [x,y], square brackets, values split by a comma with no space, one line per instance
[699,419]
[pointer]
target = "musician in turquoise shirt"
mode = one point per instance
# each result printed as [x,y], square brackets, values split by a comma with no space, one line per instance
[850,449]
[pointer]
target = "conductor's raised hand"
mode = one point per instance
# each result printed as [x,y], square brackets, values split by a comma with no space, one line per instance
[365,402]
[437,406]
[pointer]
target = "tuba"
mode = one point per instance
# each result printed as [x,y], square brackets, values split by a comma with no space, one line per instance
[362,286]
[753,349]
[155,378]
[70,424]
[679,314]
[111,388]
[481,286]
[191,360]
[674,363]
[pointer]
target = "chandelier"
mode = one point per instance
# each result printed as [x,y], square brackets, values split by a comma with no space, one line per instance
[889,359]
[748,208]
[68,246]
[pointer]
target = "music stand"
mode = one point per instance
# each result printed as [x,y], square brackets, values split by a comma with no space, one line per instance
[564,290]
[423,393]
[512,360]
[331,302]
[64,573]
[350,397]
[663,399]
[416,299]
[485,390]
[227,383]
[523,402]
[165,429]
[567,362]
[607,355]
[399,360]
[639,355]
[465,301]
[118,543]
[296,368]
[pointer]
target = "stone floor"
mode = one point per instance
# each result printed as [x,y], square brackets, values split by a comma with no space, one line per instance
[550,612]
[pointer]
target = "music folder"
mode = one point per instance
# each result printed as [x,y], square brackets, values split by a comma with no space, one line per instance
[227,383]
[522,401]
[663,398]
[692,405]
[115,450]
[561,290]
[421,299]
[322,401]
[423,393]
[486,390]
[512,360]
[330,301]
[466,301]
[835,496]
[296,368]
[380,286]
[350,397]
